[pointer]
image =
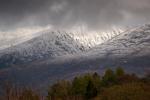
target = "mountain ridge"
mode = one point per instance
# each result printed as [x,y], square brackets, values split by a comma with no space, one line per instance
[118,52]
[48,44]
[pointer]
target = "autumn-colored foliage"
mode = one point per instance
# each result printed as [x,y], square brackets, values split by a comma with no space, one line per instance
[113,85]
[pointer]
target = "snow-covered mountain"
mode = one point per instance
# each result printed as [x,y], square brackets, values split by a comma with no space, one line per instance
[130,50]
[47,44]
[134,42]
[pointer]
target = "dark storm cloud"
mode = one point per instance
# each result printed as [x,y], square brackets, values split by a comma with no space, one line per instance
[94,14]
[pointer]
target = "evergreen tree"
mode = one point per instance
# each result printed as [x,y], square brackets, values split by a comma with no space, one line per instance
[60,90]
[79,84]
[109,78]
[119,72]
[91,90]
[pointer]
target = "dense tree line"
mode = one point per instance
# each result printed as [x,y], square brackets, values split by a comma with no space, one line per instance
[113,85]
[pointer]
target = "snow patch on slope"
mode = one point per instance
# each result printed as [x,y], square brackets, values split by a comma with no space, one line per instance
[93,39]
[134,42]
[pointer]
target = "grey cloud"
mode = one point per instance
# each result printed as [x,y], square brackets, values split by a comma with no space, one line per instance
[96,14]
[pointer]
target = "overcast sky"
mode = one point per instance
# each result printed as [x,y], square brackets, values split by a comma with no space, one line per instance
[65,14]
